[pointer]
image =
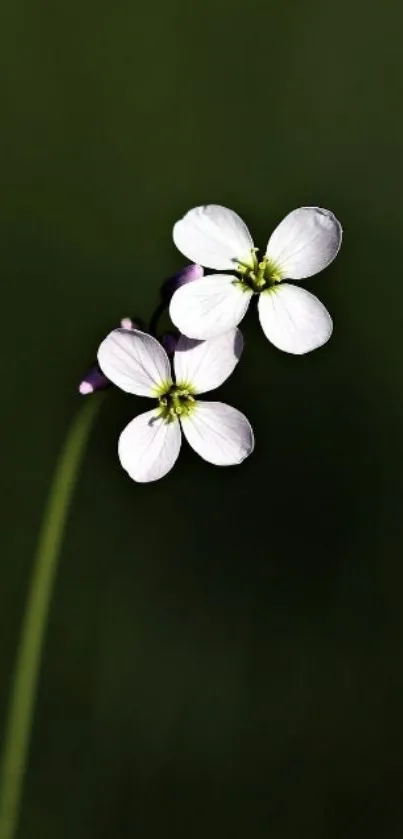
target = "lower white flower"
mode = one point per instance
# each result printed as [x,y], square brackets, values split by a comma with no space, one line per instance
[304,243]
[149,445]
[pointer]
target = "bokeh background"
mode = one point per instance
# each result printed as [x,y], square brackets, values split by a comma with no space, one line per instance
[225,648]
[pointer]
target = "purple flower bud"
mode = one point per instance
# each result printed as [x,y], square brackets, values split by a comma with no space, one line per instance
[186,275]
[169,342]
[92,381]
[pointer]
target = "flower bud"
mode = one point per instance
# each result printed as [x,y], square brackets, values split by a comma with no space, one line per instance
[92,381]
[169,341]
[186,275]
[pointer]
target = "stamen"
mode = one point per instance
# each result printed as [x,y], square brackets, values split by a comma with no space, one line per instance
[259,275]
[177,402]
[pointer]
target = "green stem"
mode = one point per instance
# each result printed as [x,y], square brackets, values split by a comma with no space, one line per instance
[28,659]
[155,319]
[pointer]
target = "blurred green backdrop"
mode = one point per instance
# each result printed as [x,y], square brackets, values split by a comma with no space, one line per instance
[225,648]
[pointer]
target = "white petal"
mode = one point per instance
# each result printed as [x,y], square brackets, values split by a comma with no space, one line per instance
[205,365]
[134,361]
[149,446]
[213,236]
[209,306]
[293,319]
[218,433]
[305,242]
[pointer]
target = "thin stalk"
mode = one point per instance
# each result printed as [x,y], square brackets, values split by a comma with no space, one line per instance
[18,726]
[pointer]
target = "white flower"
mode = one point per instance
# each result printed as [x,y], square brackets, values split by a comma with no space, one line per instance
[149,445]
[304,243]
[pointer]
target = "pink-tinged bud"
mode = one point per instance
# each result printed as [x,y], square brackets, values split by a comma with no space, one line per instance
[94,380]
[186,275]
[128,323]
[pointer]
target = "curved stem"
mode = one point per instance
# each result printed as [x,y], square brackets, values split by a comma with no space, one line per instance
[154,321]
[18,725]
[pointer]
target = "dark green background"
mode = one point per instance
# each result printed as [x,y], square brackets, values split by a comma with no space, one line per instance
[225,649]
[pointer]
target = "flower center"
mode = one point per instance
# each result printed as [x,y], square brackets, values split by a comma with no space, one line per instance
[257,275]
[176,402]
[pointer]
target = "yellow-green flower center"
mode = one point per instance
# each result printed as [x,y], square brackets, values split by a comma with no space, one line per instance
[177,401]
[258,276]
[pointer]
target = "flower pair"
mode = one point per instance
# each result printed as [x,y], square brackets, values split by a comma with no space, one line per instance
[207,310]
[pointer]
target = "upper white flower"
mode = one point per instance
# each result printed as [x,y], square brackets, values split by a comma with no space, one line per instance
[149,445]
[304,243]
